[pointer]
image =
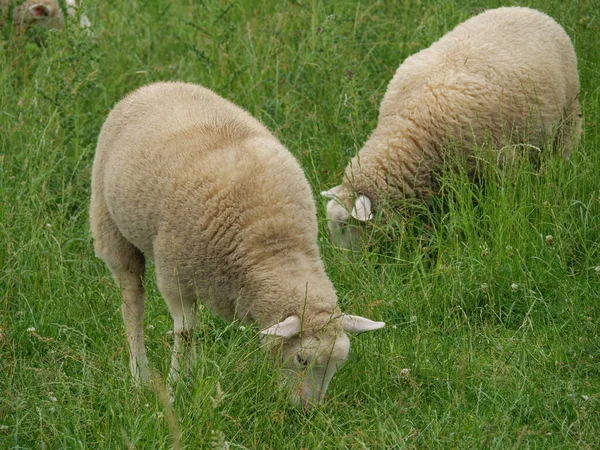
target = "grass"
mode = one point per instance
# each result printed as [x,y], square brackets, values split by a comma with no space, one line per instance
[491,294]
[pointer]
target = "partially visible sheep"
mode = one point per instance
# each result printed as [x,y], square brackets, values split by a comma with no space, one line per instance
[188,179]
[505,77]
[46,13]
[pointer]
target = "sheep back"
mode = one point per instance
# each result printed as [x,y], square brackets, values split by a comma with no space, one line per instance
[200,186]
[505,77]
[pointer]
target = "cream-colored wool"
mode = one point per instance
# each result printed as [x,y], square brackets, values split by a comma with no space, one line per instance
[505,77]
[46,13]
[188,179]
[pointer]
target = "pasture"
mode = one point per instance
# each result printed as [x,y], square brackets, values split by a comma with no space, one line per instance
[491,293]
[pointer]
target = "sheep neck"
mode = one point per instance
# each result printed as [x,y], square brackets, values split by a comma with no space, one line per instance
[278,288]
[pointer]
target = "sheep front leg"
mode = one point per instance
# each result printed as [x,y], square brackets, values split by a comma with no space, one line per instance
[181,302]
[184,352]
[570,130]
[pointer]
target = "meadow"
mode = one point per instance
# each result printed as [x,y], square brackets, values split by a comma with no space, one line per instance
[491,293]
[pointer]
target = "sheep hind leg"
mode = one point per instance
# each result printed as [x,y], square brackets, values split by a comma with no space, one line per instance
[127,265]
[133,317]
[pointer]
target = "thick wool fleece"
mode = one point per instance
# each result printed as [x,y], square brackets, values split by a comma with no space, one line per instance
[186,178]
[505,77]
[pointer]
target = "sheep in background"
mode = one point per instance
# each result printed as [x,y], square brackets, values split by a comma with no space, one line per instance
[46,13]
[506,77]
[188,179]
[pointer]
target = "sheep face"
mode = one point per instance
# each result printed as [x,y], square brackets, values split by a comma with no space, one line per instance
[310,358]
[345,216]
[309,364]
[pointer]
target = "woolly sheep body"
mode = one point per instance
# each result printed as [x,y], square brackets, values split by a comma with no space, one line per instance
[506,77]
[188,179]
[41,12]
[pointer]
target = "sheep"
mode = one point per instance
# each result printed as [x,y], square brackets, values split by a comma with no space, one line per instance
[186,178]
[506,78]
[46,13]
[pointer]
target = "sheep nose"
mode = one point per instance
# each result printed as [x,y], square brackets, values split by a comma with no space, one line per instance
[306,397]
[311,396]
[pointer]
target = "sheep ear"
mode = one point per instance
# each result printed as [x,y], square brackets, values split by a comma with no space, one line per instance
[288,328]
[357,324]
[40,10]
[332,193]
[362,208]
[84,22]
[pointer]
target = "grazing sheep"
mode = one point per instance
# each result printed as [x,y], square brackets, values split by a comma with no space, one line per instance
[46,13]
[188,179]
[507,77]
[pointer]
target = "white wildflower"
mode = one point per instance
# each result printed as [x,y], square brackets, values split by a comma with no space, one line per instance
[405,373]
[514,286]
[218,440]
[31,330]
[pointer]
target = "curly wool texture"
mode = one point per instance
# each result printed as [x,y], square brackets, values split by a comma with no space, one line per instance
[186,178]
[507,76]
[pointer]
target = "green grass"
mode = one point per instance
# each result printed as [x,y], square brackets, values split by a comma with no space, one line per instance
[498,325]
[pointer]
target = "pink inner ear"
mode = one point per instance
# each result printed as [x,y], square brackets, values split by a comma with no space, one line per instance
[39,10]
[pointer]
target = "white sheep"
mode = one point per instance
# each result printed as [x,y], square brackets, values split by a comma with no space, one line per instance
[506,78]
[46,13]
[188,179]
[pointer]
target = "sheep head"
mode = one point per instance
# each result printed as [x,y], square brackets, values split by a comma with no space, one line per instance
[43,12]
[311,356]
[46,13]
[345,212]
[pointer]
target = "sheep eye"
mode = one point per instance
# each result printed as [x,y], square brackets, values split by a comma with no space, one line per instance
[301,361]
[343,228]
